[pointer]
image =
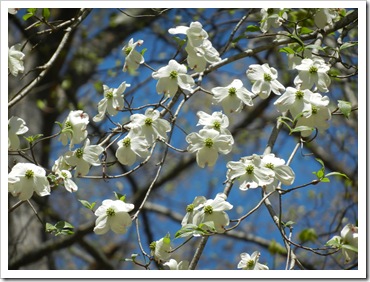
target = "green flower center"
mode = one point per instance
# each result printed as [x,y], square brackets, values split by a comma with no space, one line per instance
[109,95]
[173,74]
[68,124]
[299,94]
[217,125]
[64,175]
[250,263]
[208,142]
[270,166]
[314,110]
[190,208]
[128,50]
[249,169]
[110,212]
[208,209]
[79,153]
[148,121]
[267,77]
[313,69]
[152,245]
[29,174]
[126,142]
[232,91]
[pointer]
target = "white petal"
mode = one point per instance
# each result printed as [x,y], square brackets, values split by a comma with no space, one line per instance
[120,222]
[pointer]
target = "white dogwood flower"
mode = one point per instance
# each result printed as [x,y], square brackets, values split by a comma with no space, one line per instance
[195,33]
[313,72]
[16,126]
[74,128]
[283,173]
[112,101]
[207,144]
[233,97]
[192,209]
[317,115]
[198,57]
[250,172]
[271,18]
[113,214]
[174,265]
[65,177]
[264,79]
[130,147]
[149,125]
[161,249]
[347,241]
[217,121]
[26,178]
[250,262]
[214,210]
[171,77]
[295,100]
[133,57]
[15,60]
[82,158]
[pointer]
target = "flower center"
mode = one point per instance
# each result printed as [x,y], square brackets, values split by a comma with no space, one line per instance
[208,209]
[299,94]
[267,77]
[250,263]
[190,208]
[152,245]
[249,169]
[110,212]
[208,142]
[79,153]
[313,69]
[64,175]
[148,121]
[29,174]
[173,74]
[68,124]
[270,166]
[126,142]
[109,95]
[314,110]
[128,50]
[232,91]
[217,125]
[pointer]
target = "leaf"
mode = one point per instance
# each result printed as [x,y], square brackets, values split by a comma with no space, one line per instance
[335,242]
[305,30]
[33,138]
[350,247]
[346,45]
[142,52]
[325,179]
[297,39]
[30,13]
[60,228]
[119,196]
[313,46]
[289,223]
[252,28]
[49,228]
[287,50]
[336,173]
[46,13]
[345,108]
[86,204]
[301,128]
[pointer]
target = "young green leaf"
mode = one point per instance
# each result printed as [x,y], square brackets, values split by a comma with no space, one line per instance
[345,108]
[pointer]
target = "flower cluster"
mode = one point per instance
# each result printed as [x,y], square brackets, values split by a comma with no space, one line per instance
[74,128]
[214,138]
[199,48]
[260,171]
[211,210]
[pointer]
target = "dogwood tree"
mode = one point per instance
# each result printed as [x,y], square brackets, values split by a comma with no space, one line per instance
[184,138]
